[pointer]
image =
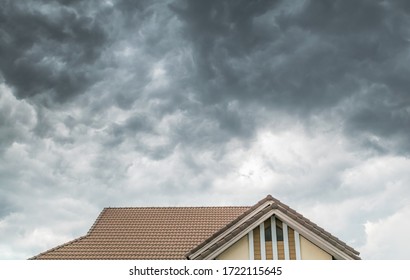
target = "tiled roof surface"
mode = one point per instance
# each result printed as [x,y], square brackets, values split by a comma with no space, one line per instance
[146,233]
[174,232]
[275,204]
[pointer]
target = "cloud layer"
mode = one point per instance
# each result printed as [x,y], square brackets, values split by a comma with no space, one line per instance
[132,103]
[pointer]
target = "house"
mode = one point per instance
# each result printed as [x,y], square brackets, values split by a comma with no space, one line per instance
[267,230]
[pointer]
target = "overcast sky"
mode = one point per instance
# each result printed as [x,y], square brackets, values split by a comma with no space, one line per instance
[180,103]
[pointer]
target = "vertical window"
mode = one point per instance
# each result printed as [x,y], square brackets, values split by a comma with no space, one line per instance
[279,233]
[268,233]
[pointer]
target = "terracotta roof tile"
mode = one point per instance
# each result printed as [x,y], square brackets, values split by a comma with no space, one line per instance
[146,233]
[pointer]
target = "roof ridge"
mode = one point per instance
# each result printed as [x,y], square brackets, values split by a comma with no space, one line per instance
[175,207]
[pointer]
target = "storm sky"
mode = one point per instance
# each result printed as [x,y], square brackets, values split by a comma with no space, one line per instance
[192,103]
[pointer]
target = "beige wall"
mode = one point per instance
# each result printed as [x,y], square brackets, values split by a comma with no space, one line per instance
[238,251]
[310,251]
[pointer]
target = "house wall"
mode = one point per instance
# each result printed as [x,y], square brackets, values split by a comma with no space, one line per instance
[310,251]
[238,251]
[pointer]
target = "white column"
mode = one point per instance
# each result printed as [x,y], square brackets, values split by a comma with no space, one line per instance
[262,238]
[297,245]
[274,238]
[251,250]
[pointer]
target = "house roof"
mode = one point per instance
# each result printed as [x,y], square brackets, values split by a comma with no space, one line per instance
[146,233]
[178,232]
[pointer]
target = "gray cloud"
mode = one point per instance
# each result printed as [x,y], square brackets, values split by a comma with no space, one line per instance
[121,102]
[302,58]
[49,48]
[6,206]
[320,54]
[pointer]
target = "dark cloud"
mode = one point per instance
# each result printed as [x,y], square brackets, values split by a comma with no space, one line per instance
[133,10]
[220,33]
[106,102]
[302,59]
[132,128]
[382,119]
[338,17]
[48,48]
[16,119]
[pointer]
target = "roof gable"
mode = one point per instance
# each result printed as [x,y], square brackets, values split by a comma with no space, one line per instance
[256,215]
